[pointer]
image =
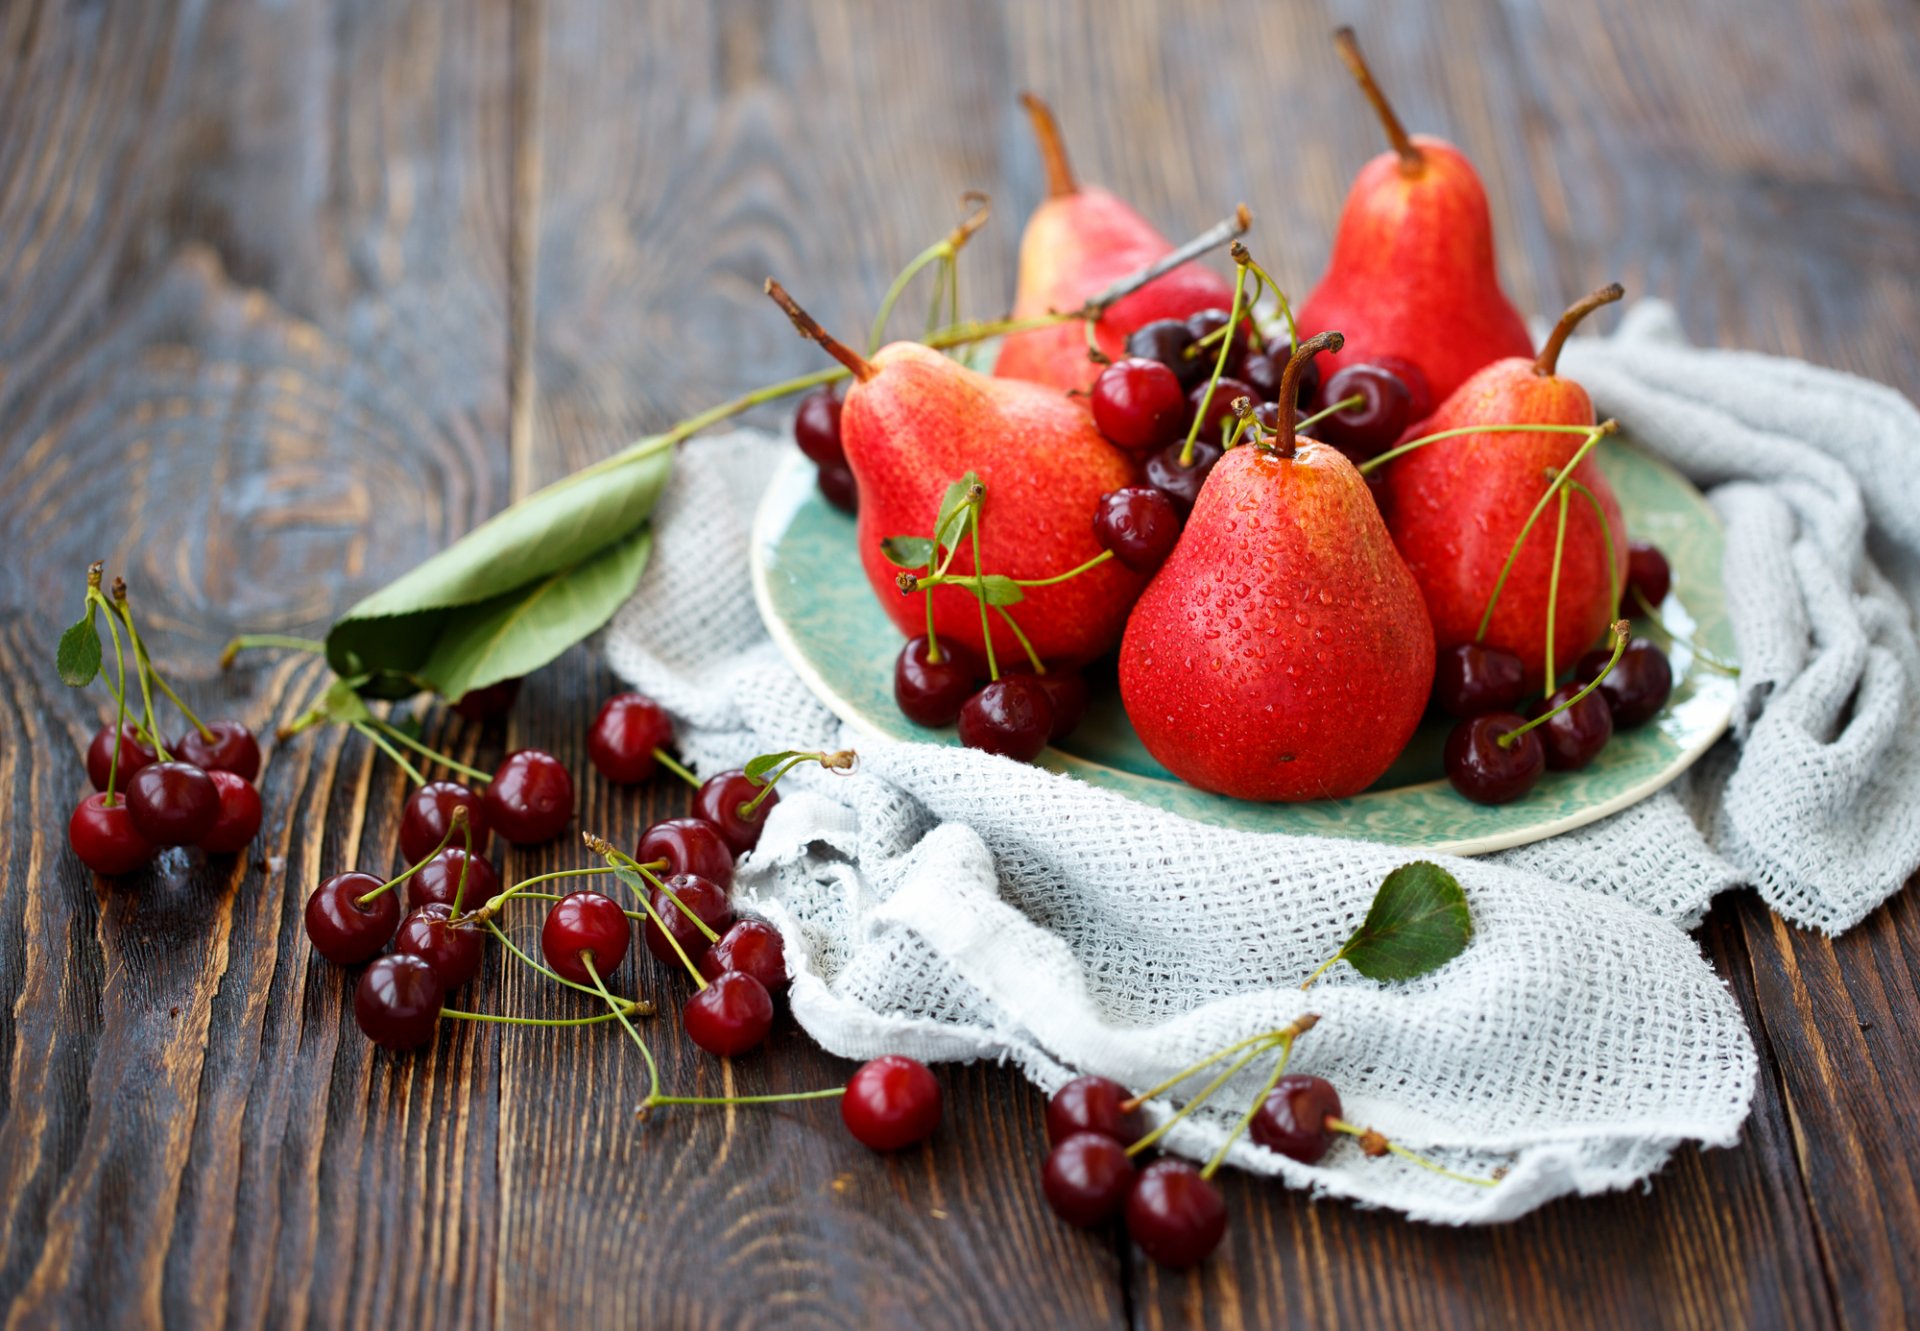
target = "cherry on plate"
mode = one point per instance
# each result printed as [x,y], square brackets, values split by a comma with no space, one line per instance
[227,747]
[1181,481]
[752,947]
[816,427]
[239,818]
[1086,1178]
[1573,738]
[1206,322]
[173,803]
[1471,678]
[1637,688]
[134,755]
[673,900]
[624,735]
[730,1016]
[530,799]
[583,922]
[1094,1104]
[931,693]
[1140,524]
[1486,771]
[840,487]
[428,813]
[690,846]
[1216,422]
[1383,412]
[343,929]
[1293,1118]
[1139,404]
[1175,1216]
[1012,717]
[398,1001]
[103,836]
[891,1103]
[1166,341]
[453,949]
[1647,573]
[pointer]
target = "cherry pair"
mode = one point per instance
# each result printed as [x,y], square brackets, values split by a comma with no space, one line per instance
[816,428]
[1017,715]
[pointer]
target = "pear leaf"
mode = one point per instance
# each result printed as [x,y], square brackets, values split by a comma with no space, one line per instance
[78,656]
[907,551]
[999,589]
[1418,922]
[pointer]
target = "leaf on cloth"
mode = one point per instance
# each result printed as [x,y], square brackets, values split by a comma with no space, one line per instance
[1418,922]
[78,656]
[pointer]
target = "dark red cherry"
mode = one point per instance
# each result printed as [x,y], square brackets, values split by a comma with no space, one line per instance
[1308,397]
[931,693]
[1384,410]
[1175,1216]
[1217,423]
[341,928]
[1637,688]
[722,800]
[1140,524]
[1487,771]
[891,1103]
[1182,480]
[1293,1118]
[730,1016]
[227,747]
[102,835]
[483,704]
[1066,692]
[706,900]
[428,813]
[439,880]
[1093,1104]
[134,755]
[453,950]
[688,845]
[1471,678]
[1011,717]
[1647,573]
[173,803]
[752,947]
[1139,404]
[1086,1178]
[239,818]
[1205,322]
[398,1001]
[530,799]
[1420,402]
[1167,340]
[1575,737]
[1261,373]
[624,735]
[840,487]
[816,427]
[583,922]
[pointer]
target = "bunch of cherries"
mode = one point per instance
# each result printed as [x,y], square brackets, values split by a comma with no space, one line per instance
[816,428]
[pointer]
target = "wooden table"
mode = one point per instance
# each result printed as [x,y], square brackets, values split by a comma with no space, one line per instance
[291,294]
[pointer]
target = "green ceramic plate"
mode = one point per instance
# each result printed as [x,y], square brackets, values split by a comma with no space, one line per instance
[817,606]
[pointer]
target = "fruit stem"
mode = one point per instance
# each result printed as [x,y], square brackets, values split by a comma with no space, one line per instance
[653,1101]
[457,822]
[498,903]
[639,1006]
[248,641]
[1594,436]
[1606,535]
[623,866]
[395,732]
[674,765]
[140,668]
[1211,239]
[860,366]
[1288,433]
[145,662]
[1374,463]
[947,247]
[1094,562]
[380,743]
[1033,657]
[1240,259]
[841,760]
[1053,151]
[699,980]
[1375,1144]
[1706,658]
[1620,627]
[1553,585]
[640,1009]
[1286,306]
[1549,357]
[1279,1070]
[1412,160]
[1324,967]
[466,863]
[653,1069]
[120,716]
[980,594]
[1206,1093]
[1299,1026]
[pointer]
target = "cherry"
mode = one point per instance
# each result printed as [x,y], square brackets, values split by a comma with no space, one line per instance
[1167,340]
[1487,771]
[1139,404]
[1261,373]
[730,1016]
[530,798]
[721,800]
[1176,1216]
[689,846]
[840,487]
[708,902]
[1093,1104]
[1011,717]
[816,427]
[134,755]
[628,729]
[398,1001]
[439,880]
[1181,481]
[1472,678]
[1218,420]
[752,947]
[1086,1178]
[582,922]
[428,813]
[230,747]
[1573,738]
[1413,379]
[173,804]
[1293,1118]
[102,835]
[484,704]
[1637,688]
[891,1102]
[931,693]
[1647,573]
[452,949]
[1066,692]
[1383,413]
[239,818]
[1140,524]
[1203,322]
[343,930]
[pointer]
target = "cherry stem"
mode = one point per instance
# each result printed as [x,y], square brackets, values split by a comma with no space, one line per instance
[839,761]
[623,866]
[498,903]
[1374,463]
[1286,306]
[635,1008]
[1246,1119]
[859,366]
[1606,535]
[1090,326]
[980,594]
[460,888]
[933,640]
[249,641]
[395,732]
[1354,1130]
[457,823]
[145,662]
[1549,357]
[674,765]
[1286,435]
[948,248]
[398,757]
[1053,151]
[1620,627]
[140,668]
[1553,585]
[699,980]
[1033,657]
[120,717]
[639,1006]
[1706,658]
[1324,967]
[653,1069]
[1232,326]
[653,1101]
[1300,1026]
[1206,1093]
[1412,160]
[1594,435]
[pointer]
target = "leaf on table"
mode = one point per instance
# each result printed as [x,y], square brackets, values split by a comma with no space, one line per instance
[78,656]
[1418,922]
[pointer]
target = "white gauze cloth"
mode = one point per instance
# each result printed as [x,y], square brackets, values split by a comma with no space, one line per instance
[949,904]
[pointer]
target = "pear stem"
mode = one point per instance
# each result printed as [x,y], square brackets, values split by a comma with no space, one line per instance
[1549,356]
[1284,438]
[1053,150]
[861,367]
[1412,160]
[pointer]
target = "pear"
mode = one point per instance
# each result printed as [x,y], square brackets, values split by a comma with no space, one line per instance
[1282,652]
[1077,243]
[1456,507]
[1412,272]
[913,422]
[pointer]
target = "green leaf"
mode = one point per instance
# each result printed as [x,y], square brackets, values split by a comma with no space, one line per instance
[1418,922]
[957,510]
[1001,590]
[907,551]
[78,656]
[760,768]
[342,702]
[514,592]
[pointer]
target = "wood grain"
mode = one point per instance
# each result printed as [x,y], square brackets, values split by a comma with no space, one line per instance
[291,294]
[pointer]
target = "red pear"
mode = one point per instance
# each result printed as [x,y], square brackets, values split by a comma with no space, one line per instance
[913,422]
[1412,272]
[1282,652]
[1077,243]
[1457,506]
